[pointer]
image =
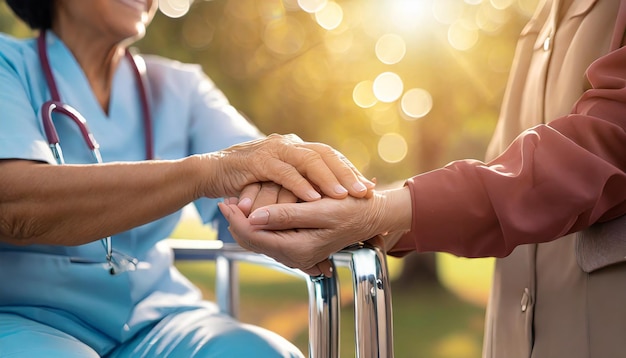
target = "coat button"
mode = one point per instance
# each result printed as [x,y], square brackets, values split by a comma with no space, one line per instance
[525,299]
[547,43]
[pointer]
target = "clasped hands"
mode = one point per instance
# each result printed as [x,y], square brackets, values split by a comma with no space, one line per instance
[303,231]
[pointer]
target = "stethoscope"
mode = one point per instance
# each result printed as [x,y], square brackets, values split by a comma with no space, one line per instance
[117,261]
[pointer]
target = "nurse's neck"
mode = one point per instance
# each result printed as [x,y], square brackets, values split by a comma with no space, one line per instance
[98,56]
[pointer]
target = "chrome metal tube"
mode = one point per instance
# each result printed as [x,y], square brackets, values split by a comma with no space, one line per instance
[372,300]
[372,294]
[227,285]
[324,310]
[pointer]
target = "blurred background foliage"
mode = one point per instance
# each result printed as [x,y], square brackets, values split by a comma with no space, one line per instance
[399,86]
[308,67]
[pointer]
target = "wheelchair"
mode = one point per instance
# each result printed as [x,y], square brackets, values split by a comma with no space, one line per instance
[367,264]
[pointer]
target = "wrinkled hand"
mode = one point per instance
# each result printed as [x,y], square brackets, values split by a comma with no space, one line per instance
[257,195]
[304,235]
[298,166]
[386,241]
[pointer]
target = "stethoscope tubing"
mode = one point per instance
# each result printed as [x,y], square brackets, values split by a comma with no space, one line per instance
[50,107]
[56,105]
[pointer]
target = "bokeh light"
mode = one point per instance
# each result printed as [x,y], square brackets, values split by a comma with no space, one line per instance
[447,11]
[363,94]
[392,147]
[339,40]
[270,10]
[416,103]
[242,9]
[197,32]
[526,7]
[307,82]
[174,8]
[501,4]
[284,36]
[312,6]
[462,35]
[291,5]
[390,49]
[407,15]
[388,87]
[490,19]
[330,16]
[384,119]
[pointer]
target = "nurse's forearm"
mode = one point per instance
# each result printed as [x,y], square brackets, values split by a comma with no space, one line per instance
[76,204]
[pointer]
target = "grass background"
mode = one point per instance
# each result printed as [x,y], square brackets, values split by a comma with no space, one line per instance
[430,322]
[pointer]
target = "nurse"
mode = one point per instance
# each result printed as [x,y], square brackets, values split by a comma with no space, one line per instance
[62,295]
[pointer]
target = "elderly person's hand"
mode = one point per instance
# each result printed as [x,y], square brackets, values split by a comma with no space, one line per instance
[301,235]
[256,195]
[297,166]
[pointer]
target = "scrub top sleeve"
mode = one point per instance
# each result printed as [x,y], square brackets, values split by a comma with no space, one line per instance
[215,125]
[21,134]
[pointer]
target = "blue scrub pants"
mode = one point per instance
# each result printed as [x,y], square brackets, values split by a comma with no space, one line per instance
[198,333]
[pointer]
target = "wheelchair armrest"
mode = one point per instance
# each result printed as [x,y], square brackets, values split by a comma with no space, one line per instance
[225,256]
[186,250]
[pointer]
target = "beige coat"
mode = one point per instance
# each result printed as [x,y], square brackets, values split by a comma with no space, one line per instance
[557,166]
[543,304]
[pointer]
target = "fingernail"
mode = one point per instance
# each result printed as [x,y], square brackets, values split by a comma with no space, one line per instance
[314,195]
[358,186]
[339,189]
[259,217]
[245,202]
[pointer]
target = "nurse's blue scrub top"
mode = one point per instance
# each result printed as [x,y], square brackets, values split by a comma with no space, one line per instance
[69,287]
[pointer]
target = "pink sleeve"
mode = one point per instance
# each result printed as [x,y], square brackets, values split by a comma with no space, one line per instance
[553,180]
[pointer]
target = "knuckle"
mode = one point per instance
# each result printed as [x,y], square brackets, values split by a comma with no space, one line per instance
[283,171]
[311,157]
[282,217]
[293,137]
[270,187]
[301,260]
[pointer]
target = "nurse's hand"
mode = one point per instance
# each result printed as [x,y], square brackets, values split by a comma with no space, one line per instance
[298,166]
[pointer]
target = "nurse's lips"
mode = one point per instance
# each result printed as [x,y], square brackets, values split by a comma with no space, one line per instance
[136,4]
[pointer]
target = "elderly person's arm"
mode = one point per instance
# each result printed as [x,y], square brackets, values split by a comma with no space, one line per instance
[552,180]
[301,235]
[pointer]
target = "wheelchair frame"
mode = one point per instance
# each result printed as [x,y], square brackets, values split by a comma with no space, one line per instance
[372,293]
